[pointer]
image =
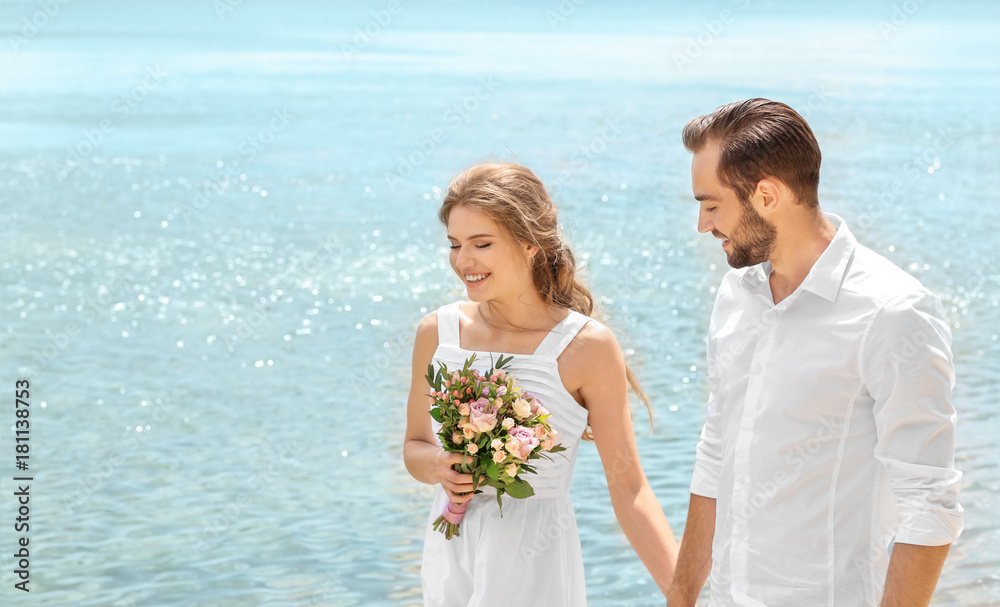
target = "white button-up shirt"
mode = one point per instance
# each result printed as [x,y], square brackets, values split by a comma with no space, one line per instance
[829,432]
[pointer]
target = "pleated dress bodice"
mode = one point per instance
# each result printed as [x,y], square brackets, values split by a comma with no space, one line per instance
[538,374]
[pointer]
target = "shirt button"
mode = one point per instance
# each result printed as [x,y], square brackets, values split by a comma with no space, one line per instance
[771,315]
[741,480]
[756,369]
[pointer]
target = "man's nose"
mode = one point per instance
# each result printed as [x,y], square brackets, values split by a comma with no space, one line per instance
[705,223]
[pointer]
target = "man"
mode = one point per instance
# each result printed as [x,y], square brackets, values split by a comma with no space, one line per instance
[830,429]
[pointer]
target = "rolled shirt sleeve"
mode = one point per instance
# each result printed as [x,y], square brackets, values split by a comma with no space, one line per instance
[708,453]
[908,370]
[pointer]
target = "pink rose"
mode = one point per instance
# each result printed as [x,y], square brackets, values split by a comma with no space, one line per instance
[482,415]
[502,390]
[549,442]
[473,448]
[464,409]
[540,431]
[456,437]
[526,441]
[469,432]
[533,402]
[499,456]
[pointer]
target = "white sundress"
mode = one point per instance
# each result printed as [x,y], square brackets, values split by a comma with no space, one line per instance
[531,555]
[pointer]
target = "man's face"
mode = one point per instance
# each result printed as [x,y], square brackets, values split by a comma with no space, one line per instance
[746,237]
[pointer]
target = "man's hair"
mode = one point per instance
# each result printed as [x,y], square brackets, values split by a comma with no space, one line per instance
[760,138]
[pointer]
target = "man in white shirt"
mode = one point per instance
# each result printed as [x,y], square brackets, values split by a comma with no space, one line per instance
[830,429]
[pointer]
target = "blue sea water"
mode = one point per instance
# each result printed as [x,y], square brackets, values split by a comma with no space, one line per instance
[219,230]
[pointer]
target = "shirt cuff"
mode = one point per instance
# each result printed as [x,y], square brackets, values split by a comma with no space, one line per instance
[705,480]
[929,527]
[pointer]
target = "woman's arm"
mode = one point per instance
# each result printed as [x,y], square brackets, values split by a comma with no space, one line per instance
[424,459]
[604,392]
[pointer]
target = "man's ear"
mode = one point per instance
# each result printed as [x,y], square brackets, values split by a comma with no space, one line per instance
[768,196]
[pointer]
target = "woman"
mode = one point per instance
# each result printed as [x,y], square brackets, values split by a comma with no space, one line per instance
[525,301]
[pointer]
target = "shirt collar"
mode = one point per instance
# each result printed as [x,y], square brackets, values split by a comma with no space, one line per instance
[826,275]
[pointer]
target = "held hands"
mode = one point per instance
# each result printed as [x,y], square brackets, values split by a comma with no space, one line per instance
[458,486]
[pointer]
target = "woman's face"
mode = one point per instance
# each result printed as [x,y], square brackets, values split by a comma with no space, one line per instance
[491,265]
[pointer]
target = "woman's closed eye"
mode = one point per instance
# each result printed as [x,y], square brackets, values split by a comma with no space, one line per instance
[478,246]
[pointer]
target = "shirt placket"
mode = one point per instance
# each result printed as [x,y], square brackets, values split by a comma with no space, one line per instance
[742,477]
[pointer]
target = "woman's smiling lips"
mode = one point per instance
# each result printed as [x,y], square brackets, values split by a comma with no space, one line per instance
[473,280]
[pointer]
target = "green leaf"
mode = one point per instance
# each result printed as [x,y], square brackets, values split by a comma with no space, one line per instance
[557,449]
[519,488]
[437,415]
[492,470]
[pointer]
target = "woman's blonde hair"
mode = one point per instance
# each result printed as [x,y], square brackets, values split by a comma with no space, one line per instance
[513,197]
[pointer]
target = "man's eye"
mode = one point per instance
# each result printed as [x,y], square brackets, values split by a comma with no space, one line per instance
[710,209]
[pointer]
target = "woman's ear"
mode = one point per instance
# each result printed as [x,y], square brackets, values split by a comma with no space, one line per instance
[531,250]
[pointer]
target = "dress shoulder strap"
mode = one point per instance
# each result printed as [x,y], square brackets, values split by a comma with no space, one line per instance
[447,317]
[561,335]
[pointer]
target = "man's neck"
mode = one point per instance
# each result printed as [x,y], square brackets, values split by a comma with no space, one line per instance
[800,243]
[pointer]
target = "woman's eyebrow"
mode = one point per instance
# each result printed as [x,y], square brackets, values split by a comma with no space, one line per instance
[474,236]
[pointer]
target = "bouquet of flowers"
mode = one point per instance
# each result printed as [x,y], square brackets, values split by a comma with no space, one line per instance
[495,424]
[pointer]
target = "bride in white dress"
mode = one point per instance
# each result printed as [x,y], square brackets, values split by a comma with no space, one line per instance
[525,302]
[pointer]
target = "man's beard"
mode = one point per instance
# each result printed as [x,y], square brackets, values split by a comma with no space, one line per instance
[752,240]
